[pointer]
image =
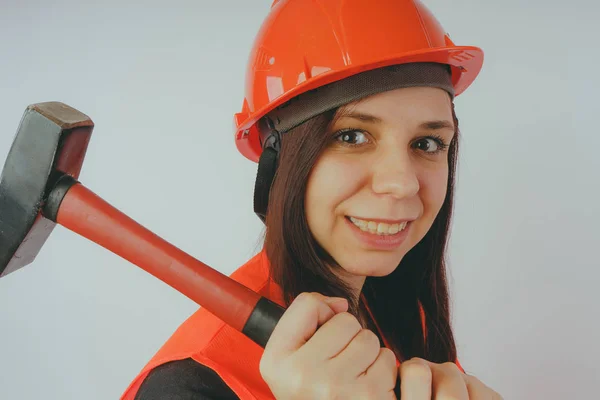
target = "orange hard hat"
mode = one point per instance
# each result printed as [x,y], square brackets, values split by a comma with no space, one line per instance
[303,45]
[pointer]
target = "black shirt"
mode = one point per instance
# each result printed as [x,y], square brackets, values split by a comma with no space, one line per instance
[184,380]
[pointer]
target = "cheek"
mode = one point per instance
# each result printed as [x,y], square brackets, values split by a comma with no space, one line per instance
[433,189]
[331,181]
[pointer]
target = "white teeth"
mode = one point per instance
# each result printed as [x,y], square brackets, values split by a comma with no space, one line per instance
[372,226]
[378,228]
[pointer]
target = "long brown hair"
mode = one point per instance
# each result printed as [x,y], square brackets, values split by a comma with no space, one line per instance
[299,264]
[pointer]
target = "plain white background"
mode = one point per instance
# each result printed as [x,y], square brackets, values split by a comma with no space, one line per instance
[162,81]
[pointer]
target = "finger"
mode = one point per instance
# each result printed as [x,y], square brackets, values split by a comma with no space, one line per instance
[300,321]
[415,379]
[478,390]
[384,367]
[359,354]
[448,382]
[333,337]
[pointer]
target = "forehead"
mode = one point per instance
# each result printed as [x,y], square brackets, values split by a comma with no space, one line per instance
[407,104]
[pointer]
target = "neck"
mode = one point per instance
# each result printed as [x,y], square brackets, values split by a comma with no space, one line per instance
[354,282]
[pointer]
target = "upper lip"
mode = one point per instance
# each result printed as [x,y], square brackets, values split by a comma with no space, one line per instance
[384,220]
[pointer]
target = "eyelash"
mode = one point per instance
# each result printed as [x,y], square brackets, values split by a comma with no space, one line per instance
[442,145]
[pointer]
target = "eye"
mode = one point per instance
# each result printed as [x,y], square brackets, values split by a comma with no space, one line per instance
[351,137]
[431,145]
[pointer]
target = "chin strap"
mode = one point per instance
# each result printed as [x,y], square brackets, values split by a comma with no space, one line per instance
[267,166]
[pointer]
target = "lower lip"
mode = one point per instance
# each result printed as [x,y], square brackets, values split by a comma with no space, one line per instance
[380,242]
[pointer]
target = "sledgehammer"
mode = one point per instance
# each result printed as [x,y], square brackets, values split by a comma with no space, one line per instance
[39,189]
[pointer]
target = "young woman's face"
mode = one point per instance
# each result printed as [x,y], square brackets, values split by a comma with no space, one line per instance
[375,191]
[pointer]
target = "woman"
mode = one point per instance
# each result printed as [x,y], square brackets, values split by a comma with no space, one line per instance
[349,111]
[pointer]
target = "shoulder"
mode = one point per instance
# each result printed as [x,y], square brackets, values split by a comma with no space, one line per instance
[184,380]
[202,330]
[212,355]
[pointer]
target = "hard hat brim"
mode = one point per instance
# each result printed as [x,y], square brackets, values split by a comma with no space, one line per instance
[465,62]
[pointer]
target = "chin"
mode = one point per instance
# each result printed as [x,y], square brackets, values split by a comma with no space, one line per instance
[371,263]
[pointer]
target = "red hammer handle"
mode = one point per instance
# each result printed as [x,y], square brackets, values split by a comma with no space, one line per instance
[85,213]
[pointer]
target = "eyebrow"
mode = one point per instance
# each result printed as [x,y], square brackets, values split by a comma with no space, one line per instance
[437,125]
[428,125]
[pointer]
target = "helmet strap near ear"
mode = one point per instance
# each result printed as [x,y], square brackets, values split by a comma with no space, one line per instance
[267,166]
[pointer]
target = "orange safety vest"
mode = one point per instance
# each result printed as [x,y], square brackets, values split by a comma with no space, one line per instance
[214,344]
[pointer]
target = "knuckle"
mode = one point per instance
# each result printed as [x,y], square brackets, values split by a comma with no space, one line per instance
[326,387]
[387,355]
[368,339]
[303,297]
[327,391]
[349,321]
[474,380]
[416,369]
[295,377]
[451,368]
[307,300]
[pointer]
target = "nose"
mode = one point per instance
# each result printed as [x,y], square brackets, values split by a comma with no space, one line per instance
[394,174]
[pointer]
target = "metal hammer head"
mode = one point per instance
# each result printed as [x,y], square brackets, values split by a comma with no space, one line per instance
[51,141]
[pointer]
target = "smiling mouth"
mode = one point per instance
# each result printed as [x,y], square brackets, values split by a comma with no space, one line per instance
[379,228]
